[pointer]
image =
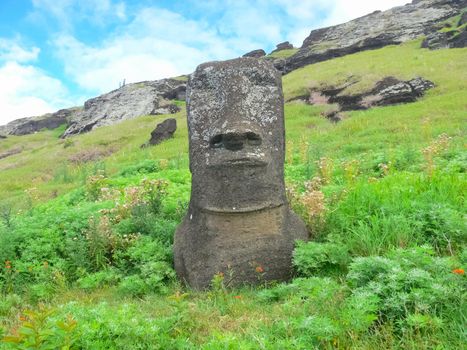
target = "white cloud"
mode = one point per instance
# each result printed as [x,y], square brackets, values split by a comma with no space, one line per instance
[67,12]
[157,44]
[11,50]
[26,90]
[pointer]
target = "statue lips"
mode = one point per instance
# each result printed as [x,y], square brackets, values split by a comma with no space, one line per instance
[252,162]
[240,161]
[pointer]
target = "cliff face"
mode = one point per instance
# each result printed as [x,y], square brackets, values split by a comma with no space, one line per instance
[129,101]
[373,31]
[30,125]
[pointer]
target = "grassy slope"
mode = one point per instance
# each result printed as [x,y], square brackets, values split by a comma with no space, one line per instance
[374,218]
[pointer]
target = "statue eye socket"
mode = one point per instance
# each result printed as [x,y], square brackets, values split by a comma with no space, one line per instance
[253,139]
[216,141]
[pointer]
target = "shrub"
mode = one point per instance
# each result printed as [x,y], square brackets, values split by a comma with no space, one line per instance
[314,258]
[99,279]
[148,266]
[147,166]
[408,282]
[39,330]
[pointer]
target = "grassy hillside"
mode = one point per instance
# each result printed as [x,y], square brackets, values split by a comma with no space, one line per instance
[86,228]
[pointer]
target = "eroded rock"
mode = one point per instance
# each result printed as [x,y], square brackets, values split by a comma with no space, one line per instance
[387,91]
[162,132]
[170,108]
[283,46]
[30,125]
[238,221]
[255,53]
[127,102]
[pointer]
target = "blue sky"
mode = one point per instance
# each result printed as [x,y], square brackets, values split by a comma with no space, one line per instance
[58,53]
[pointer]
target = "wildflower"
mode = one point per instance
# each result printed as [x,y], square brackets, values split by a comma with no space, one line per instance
[237,296]
[458,271]
[22,318]
[8,264]
[259,269]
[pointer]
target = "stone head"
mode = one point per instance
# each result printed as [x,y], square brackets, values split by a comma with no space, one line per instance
[236,136]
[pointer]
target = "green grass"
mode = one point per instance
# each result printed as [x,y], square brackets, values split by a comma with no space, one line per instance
[282,53]
[391,198]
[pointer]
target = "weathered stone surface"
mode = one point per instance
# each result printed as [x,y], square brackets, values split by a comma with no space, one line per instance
[127,102]
[170,108]
[283,46]
[255,53]
[238,220]
[25,126]
[436,40]
[163,131]
[456,38]
[460,40]
[463,19]
[374,31]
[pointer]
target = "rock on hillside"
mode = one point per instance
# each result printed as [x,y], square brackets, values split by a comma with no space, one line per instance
[30,125]
[373,31]
[127,102]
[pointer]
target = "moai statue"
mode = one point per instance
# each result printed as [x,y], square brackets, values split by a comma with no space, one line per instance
[238,221]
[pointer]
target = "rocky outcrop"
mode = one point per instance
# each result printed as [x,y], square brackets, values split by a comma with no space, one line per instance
[167,109]
[374,31]
[388,91]
[127,102]
[25,126]
[283,46]
[444,40]
[255,53]
[162,132]
[463,19]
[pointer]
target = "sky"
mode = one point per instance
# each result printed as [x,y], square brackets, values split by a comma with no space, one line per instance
[58,53]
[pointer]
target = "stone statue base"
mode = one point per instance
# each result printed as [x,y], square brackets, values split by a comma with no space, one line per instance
[251,247]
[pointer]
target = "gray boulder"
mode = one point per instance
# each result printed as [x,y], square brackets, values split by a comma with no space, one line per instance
[163,131]
[255,53]
[30,125]
[283,46]
[127,102]
[238,222]
[374,31]
[170,108]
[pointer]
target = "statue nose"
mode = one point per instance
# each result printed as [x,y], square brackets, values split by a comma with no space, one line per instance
[235,141]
